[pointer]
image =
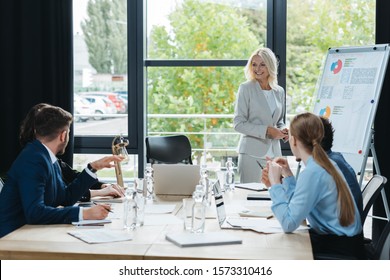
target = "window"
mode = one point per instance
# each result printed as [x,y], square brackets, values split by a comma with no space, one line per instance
[196,53]
[178,69]
[343,23]
[101,99]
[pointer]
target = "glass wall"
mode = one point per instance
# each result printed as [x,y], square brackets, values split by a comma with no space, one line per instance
[189,57]
[100,67]
[323,26]
[100,81]
[188,94]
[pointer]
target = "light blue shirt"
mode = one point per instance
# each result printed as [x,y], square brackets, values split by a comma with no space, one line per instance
[312,197]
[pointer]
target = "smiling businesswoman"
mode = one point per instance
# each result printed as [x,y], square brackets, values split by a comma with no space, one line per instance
[259,115]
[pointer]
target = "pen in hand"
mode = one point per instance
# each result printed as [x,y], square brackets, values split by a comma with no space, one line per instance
[259,164]
[104,207]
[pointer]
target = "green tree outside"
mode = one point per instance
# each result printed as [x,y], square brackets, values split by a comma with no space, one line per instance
[208,30]
[198,31]
[105,33]
[312,28]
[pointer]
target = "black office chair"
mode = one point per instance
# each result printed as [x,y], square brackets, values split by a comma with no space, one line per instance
[380,250]
[168,149]
[1,184]
[371,192]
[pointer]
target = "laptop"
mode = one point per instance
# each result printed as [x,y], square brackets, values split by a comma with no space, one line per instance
[225,222]
[175,179]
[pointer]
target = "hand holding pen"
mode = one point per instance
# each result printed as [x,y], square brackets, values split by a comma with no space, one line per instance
[97,212]
[105,206]
[264,175]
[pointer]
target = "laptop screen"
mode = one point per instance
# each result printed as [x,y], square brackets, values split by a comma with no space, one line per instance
[175,179]
[218,196]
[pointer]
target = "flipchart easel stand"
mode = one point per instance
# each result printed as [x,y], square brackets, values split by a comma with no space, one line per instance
[371,148]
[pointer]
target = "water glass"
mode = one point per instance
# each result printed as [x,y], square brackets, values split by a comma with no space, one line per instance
[221,176]
[187,213]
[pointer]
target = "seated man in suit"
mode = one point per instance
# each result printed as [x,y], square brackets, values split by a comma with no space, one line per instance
[27,134]
[346,169]
[34,188]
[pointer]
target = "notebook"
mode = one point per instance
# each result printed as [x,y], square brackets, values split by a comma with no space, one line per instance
[175,179]
[188,239]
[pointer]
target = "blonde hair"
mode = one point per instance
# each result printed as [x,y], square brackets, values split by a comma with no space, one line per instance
[309,130]
[271,63]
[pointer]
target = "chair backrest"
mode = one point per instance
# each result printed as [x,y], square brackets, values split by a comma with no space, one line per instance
[168,149]
[371,192]
[1,184]
[380,250]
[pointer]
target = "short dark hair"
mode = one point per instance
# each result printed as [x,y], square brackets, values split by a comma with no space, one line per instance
[327,141]
[50,121]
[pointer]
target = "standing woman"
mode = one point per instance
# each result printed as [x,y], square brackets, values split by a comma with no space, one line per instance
[320,194]
[259,115]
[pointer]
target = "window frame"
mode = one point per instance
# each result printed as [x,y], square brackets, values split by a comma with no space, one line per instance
[137,78]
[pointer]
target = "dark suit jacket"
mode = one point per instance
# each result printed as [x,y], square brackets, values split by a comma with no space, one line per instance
[350,177]
[69,174]
[33,192]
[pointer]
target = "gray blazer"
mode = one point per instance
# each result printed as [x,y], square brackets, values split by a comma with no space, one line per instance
[252,116]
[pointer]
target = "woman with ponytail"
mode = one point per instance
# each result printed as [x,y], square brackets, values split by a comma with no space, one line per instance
[320,195]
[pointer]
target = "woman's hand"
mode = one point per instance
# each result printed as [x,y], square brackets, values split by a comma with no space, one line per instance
[276,133]
[286,171]
[264,177]
[274,173]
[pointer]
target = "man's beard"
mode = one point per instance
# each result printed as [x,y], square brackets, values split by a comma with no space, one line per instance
[62,149]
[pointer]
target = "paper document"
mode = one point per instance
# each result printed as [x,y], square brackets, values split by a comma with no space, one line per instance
[159,208]
[108,199]
[92,236]
[252,186]
[260,225]
[256,214]
[91,222]
[162,219]
[187,239]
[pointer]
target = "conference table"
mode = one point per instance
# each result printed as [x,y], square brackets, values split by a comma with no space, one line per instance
[149,241]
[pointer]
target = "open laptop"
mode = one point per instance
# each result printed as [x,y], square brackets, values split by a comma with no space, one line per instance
[175,179]
[262,225]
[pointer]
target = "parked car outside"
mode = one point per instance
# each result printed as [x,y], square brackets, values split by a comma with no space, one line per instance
[81,107]
[124,96]
[100,105]
[114,97]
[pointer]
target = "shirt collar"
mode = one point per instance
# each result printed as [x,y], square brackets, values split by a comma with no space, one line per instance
[52,156]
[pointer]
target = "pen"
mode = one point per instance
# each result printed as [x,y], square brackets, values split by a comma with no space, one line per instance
[259,164]
[104,207]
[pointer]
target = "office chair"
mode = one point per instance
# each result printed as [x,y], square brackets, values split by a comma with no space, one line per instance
[380,250]
[371,192]
[168,149]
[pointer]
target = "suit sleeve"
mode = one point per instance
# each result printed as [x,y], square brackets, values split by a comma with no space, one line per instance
[241,120]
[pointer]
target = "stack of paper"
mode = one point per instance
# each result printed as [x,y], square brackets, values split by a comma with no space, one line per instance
[187,239]
[108,199]
[252,186]
[92,236]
